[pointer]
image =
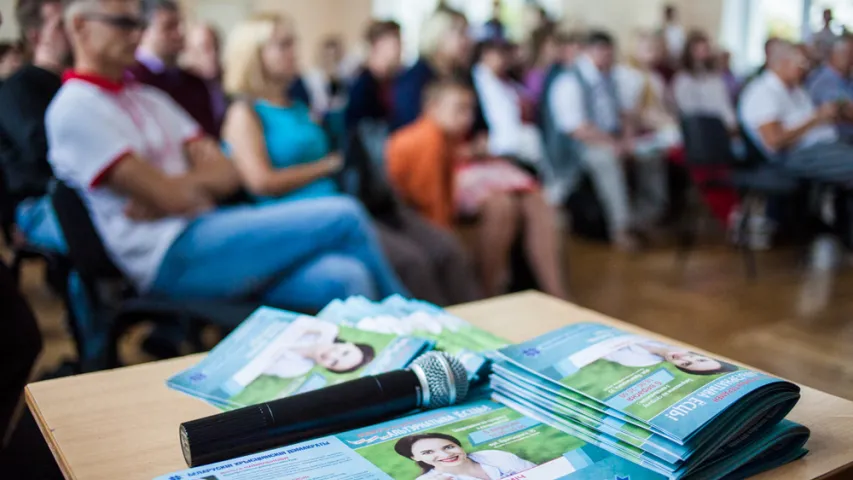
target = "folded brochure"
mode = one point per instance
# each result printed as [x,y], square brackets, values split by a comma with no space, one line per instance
[275,354]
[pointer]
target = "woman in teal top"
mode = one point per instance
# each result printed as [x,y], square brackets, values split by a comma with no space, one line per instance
[282,155]
[293,139]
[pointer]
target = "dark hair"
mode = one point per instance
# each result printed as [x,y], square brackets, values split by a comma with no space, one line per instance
[381,28]
[687,61]
[403,447]
[151,7]
[725,367]
[10,47]
[599,38]
[368,353]
[29,17]
[490,45]
[669,11]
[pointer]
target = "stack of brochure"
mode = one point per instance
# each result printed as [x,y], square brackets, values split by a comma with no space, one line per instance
[400,316]
[477,440]
[275,354]
[670,410]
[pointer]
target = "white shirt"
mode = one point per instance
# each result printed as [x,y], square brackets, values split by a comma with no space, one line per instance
[305,332]
[675,39]
[567,100]
[502,108]
[496,463]
[704,94]
[91,125]
[766,99]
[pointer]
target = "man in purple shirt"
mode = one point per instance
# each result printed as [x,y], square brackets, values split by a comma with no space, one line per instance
[157,64]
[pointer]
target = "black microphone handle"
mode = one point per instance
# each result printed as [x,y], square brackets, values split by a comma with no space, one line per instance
[345,406]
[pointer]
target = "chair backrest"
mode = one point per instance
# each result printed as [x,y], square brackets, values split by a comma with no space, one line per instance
[85,247]
[7,210]
[706,141]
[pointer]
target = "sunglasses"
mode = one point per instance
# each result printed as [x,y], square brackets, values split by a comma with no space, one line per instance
[122,22]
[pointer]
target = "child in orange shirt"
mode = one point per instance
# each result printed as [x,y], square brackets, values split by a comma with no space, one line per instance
[422,165]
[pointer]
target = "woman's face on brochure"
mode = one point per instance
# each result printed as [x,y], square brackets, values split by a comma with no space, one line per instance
[439,453]
[692,361]
[339,357]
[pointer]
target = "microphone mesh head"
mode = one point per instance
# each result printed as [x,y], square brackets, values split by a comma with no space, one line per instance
[446,379]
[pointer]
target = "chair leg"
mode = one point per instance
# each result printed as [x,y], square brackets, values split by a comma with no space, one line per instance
[689,226]
[17,268]
[744,241]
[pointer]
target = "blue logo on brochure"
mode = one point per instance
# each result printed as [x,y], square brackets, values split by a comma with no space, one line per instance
[531,352]
[178,477]
[618,477]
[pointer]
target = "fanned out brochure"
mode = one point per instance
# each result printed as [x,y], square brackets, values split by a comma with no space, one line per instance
[275,354]
[673,411]
[400,316]
[480,439]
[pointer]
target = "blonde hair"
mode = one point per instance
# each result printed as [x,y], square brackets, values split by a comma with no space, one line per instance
[243,68]
[435,29]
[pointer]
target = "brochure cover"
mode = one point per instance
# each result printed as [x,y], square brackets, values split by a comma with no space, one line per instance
[275,354]
[401,316]
[477,440]
[672,391]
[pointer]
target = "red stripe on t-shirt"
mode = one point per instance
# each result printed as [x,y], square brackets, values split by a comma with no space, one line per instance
[200,134]
[102,175]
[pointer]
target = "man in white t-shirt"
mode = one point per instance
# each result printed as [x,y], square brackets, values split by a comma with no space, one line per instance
[151,178]
[782,120]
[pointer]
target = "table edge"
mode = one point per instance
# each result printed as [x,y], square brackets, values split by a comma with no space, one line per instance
[46,432]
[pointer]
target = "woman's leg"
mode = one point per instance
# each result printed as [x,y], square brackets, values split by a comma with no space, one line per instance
[498,229]
[315,284]
[541,244]
[412,263]
[243,251]
[454,272]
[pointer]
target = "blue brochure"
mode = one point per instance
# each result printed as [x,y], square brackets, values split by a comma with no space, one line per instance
[480,438]
[275,354]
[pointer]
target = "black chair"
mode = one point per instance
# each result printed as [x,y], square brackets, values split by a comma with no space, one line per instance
[707,144]
[114,301]
[57,263]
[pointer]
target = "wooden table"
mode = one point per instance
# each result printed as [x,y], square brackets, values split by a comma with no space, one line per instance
[124,423]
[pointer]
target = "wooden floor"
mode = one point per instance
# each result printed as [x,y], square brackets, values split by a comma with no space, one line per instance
[789,322]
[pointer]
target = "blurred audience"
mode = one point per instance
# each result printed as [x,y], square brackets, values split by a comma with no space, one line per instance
[700,88]
[282,154]
[201,57]
[370,97]
[502,103]
[24,99]
[605,136]
[545,53]
[445,53]
[673,34]
[11,59]
[150,181]
[833,83]
[157,64]
[327,83]
[644,93]
[422,161]
[781,118]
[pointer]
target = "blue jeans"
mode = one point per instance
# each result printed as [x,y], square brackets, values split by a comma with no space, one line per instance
[36,219]
[291,254]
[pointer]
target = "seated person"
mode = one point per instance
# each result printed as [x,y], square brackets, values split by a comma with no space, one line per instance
[200,57]
[783,121]
[11,59]
[157,64]
[370,93]
[421,164]
[509,135]
[23,101]
[327,83]
[585,105]
[545,50]
[150,183]
[282,154]
[833,83]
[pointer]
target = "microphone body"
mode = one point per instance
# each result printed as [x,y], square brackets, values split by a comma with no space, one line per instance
[345,406]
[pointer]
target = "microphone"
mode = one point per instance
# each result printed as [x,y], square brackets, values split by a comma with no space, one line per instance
[433,380]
